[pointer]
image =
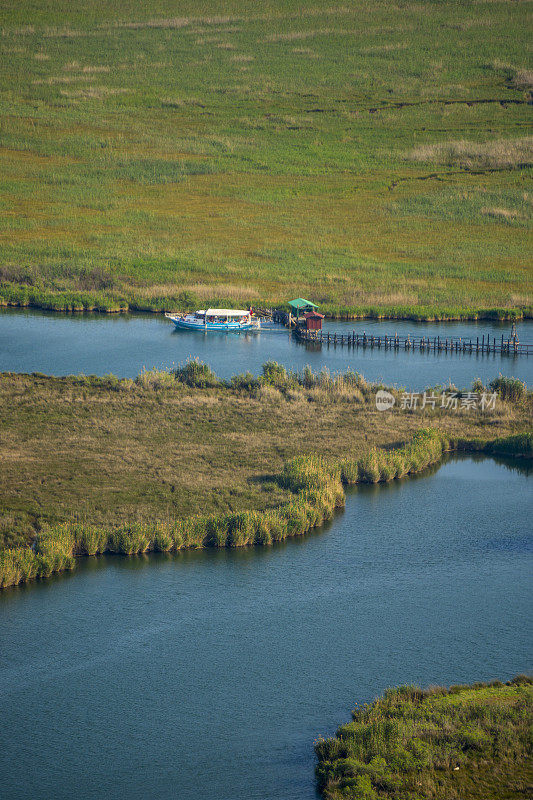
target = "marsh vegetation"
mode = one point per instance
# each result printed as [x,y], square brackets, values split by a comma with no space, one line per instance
[106,465]
[436,743]
[153,161]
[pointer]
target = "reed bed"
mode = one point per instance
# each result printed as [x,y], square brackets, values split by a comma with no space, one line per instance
[124,300]
[317,486]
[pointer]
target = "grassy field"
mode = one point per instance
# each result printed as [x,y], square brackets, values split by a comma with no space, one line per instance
[435,744]
[126,460]
[373,156]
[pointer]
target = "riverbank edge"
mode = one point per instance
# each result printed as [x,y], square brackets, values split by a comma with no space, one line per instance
[419,741]
[317,483]
[60,303]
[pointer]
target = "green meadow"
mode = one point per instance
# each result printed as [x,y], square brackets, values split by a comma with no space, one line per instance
[373,156]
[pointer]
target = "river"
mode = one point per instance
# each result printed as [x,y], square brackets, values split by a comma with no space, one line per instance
[62,344]
[208,674]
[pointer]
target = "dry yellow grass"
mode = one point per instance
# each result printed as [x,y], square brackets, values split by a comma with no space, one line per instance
[524,78]
[158,450]
[502,213]
[497,154]
[203,291]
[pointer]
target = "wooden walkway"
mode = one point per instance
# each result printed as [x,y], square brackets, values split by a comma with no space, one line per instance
[431,344]
[510,346]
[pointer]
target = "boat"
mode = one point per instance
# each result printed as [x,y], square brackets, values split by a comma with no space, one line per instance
[215,319]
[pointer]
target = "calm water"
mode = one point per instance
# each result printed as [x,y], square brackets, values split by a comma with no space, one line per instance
[209,674]
[62,344]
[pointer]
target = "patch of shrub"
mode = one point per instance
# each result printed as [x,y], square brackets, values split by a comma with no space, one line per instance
[245,383]
[274,374]
[508,388]
[196,374]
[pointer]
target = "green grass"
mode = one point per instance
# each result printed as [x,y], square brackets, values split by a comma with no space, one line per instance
[372,156]
[435,744]
[169,461]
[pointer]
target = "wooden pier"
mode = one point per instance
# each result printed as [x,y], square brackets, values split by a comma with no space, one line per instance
[425,344]
[485,344]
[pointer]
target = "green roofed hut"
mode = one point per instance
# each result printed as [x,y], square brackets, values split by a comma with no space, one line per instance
[304,313]
[301,306]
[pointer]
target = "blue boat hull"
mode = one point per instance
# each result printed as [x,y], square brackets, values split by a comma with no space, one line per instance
[221,327]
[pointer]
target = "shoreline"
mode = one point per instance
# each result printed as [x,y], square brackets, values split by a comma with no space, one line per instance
[461,315]
[318,487]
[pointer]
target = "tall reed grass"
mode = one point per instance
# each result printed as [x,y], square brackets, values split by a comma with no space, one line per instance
[317,484]
[111,301]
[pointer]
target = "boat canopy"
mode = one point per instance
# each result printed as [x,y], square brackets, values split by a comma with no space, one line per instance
[226,312]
